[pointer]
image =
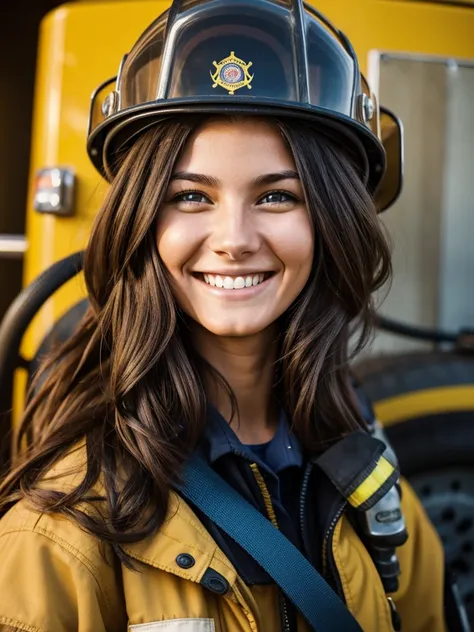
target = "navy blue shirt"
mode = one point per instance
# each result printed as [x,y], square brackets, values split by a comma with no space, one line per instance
[281,452]
[279,460]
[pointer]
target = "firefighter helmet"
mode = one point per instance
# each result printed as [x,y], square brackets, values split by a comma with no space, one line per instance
[264,57]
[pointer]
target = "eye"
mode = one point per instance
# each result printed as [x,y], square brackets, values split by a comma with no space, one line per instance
[191,198]
[277,197]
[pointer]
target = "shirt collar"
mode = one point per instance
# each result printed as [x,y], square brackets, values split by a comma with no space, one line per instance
[283,450]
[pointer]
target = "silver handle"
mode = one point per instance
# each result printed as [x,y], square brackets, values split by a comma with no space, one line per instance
[12,246]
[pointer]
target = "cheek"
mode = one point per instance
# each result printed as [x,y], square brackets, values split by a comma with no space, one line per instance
[293,244]
[176,241]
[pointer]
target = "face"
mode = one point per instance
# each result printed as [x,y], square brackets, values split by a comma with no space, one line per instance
[234,232]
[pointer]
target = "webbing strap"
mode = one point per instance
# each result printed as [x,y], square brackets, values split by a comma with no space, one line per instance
[302,584]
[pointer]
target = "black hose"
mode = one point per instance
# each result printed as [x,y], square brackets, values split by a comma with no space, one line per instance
[419,333]
[26,305]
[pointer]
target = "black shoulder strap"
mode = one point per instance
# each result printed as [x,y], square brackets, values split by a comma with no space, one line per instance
[302,584]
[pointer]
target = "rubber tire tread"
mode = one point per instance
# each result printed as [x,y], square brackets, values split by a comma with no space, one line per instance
[384,377]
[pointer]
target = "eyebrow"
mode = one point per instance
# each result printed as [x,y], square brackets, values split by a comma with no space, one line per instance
[198,178]
[271,178]
[268,178]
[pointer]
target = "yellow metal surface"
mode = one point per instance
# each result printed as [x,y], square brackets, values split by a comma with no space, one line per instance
[457,2]
[81,45]
[432,401]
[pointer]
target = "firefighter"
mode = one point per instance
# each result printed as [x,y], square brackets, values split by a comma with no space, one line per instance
[238,245]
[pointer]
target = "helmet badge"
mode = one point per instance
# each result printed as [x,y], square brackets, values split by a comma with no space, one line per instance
[232,74]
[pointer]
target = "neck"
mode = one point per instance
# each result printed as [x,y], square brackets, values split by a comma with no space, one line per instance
[247,365]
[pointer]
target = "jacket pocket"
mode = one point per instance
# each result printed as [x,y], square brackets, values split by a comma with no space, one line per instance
[175,625]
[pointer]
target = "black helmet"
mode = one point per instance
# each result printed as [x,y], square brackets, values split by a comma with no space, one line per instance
[265,57]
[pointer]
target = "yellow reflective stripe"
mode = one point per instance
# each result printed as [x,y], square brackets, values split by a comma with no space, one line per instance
[379,475]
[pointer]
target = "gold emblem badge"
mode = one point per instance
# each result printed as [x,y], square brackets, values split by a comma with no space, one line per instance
[232,74]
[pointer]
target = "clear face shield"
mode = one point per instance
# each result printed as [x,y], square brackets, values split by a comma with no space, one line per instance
[262,57]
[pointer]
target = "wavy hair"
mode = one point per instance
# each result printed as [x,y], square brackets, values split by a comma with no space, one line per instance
[128,383]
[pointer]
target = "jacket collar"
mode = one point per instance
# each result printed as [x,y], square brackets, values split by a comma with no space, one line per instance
[182,533]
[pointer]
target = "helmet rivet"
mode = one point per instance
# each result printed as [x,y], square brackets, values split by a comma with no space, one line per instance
[367,108]
[109,106]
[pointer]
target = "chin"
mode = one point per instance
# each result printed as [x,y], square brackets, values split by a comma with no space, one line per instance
[234,330]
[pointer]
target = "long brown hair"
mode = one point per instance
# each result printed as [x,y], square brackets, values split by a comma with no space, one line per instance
[128,383]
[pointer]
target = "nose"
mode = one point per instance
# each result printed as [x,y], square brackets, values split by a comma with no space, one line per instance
[234,232]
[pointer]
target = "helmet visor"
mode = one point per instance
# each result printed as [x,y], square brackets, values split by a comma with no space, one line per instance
[239,50]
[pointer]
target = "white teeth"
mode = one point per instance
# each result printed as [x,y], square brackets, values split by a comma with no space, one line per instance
[231,283]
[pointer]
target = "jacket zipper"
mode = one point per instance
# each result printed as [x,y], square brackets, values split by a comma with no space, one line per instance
[286,619]
[330,570]
[304,491]
[327,560]
[272,517]
[329,566]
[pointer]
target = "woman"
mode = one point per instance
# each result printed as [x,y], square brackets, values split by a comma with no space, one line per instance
[237,246]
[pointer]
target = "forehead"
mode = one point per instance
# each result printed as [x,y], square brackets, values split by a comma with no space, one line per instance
[247,144]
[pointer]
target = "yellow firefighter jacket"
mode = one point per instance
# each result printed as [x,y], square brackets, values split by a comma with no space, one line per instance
[53,578]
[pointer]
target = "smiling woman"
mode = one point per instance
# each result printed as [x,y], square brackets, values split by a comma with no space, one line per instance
[247,228]
[238,246]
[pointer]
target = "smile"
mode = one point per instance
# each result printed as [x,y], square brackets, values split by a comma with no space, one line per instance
[235,282]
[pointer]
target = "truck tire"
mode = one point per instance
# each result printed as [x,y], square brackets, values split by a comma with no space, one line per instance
[426,403]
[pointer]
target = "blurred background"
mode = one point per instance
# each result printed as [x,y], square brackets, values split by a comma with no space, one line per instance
[419,369]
